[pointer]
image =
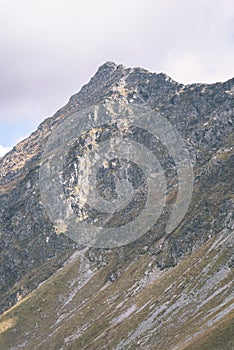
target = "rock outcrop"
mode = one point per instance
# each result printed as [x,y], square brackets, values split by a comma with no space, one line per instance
[31,249]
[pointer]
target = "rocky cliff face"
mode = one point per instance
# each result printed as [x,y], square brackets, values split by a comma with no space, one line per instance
[31,248]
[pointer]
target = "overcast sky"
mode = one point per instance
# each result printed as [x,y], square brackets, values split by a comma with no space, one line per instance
[50,48]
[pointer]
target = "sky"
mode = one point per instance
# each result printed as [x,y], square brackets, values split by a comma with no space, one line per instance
[50,48]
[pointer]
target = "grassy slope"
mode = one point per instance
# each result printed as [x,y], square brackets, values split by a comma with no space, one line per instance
[219,337]
[186,307]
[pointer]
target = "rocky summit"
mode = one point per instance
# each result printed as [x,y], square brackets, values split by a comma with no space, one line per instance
[162,290]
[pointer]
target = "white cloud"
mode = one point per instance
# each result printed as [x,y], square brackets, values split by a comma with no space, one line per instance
[51,48]
[4,150]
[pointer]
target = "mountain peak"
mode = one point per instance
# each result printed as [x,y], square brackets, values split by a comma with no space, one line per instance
[108,65]
[162,289]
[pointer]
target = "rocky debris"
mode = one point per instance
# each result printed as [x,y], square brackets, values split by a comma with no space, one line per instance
[144,308]
[32,250]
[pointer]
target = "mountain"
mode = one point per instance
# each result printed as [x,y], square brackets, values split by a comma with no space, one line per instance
[162,290]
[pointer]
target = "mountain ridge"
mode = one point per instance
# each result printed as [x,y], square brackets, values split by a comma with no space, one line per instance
[32,251]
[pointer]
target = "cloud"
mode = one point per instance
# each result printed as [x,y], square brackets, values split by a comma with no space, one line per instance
[4,150]
[51,48]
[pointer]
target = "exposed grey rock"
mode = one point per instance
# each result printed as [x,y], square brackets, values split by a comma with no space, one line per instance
[202,113]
